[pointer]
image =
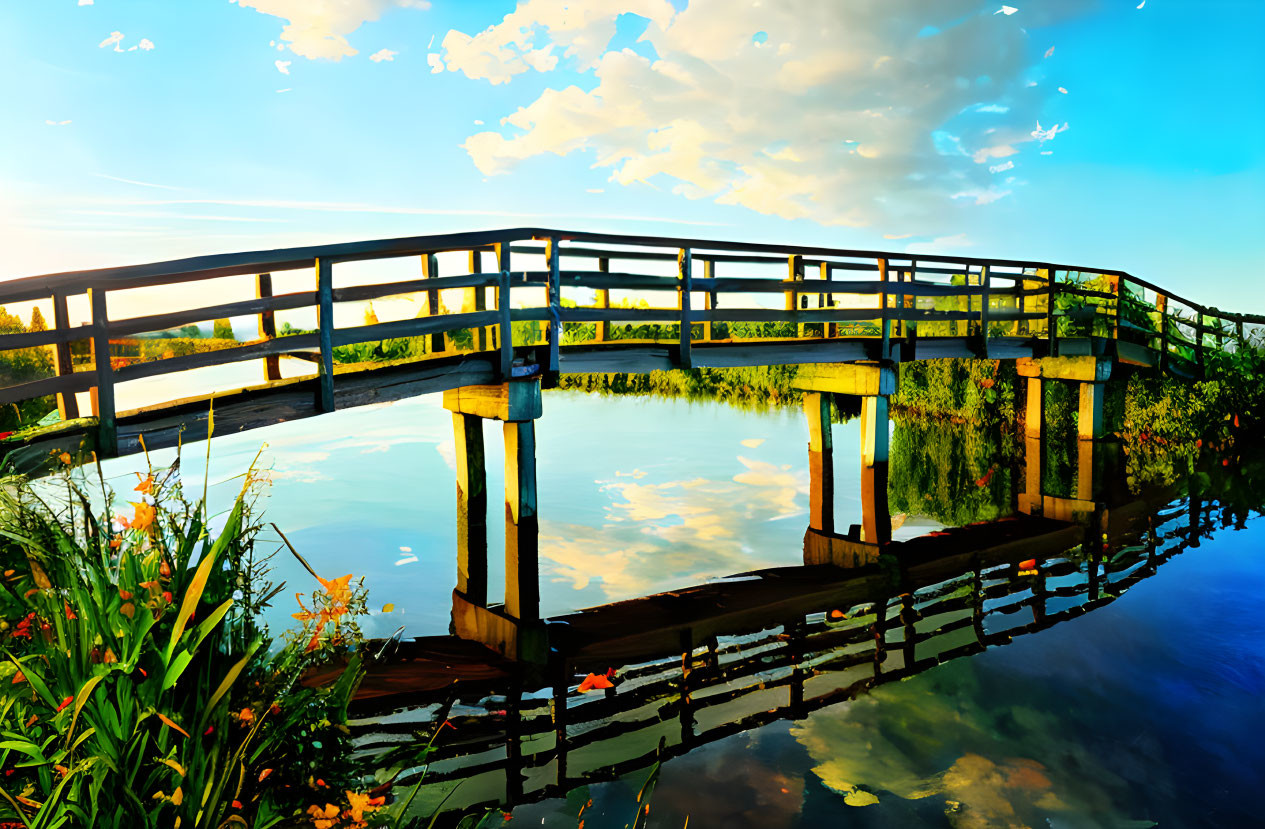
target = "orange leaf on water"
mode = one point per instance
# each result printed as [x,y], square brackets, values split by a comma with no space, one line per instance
[1029,564]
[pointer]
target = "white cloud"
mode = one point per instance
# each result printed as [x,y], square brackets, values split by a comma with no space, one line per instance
[85,2]
[287,89]
[716,116]
[1001,168]
[1044,135]
[146,45]
[319,28]
[436,64]
[56,123]
[113,40]
[982,195]
[383,54]
[283,66]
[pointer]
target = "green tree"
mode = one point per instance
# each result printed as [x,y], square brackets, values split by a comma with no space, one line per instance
[37,320]
[223,330]
[191,331]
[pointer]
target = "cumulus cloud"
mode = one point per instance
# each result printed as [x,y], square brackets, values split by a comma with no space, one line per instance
[114,40]
[319,28]
[85,2]
[283,66]
[383,54]
[435,62]
[829,117]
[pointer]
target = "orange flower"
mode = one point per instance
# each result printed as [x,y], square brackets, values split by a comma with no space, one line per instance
[124,594]
[143,517]
[19,677]
[65,458]
[339,590]
[246,716]
[64,703]
[361,803]
[32,720]
[263,774]
[237,804]
[70,614]
[115,542]
[146,486]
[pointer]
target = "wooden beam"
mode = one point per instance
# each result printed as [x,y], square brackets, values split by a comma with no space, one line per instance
[820,462]
[1085,369]
[1051,322]
[472,507]
[267,326]
[885,351]
[67,403]
[603,300]
[503,305]
[684,273]
[325,331]
[795,274]
[876,518]
[984,311]
[1034,409]
[1090,420]
[430,270]
[865,379]
[475,299]
[709,298]
[522,532]
[514,401]
[103,399]
[553,258]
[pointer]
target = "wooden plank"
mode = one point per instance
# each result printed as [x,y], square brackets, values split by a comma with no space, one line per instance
[103,400]
[552,257]
[243,308]
[65,385]
[415,327]
[36,339]
[603,300]
[503,307]
[758,285]
[475,299]
[511,401]
[430,270]
[984,293]
[826,300]
[795,275]
[1051,323]
[885,351]
[268,326]
[600,279]
[250,351]
[325,333]
[607,314]
[67,403]
[684,271]
[363,293]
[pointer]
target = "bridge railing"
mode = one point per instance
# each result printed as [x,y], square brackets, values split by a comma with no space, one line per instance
[716,292]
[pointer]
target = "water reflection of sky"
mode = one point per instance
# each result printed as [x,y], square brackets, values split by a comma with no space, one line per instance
[1145,712]
[635,496]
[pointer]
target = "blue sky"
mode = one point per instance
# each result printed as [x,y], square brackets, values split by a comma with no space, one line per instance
[903,125]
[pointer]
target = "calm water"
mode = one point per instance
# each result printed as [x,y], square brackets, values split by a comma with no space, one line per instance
[1146,711]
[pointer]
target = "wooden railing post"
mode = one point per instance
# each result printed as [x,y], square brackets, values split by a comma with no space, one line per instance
[1051,322]
[325,332]
[684,286]
[475,300]
[709,298]
[1117,288]
[1199,338]
[909,328]
[67,403]
[1238,333]
[603,332]
[1161,305]
[553,258]
[885,322]
[795,273]
[503,305]
[430,270]
[268,326]
[984,279]
[103,399]
[828,329]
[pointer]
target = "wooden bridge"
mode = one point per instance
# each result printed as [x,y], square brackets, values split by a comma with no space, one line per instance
[838,306]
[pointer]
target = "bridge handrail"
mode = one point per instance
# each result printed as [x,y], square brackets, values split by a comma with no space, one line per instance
[971,295]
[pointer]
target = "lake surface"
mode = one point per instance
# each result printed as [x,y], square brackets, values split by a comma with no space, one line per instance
[1144,711]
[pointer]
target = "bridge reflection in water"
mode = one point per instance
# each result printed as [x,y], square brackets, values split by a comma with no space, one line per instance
[701,663]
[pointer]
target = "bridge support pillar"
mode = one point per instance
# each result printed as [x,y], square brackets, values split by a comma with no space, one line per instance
[821,467]
[876,518]
[514,630]
[873,383]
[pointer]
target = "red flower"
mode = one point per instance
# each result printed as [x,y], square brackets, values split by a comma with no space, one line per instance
[64,703]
